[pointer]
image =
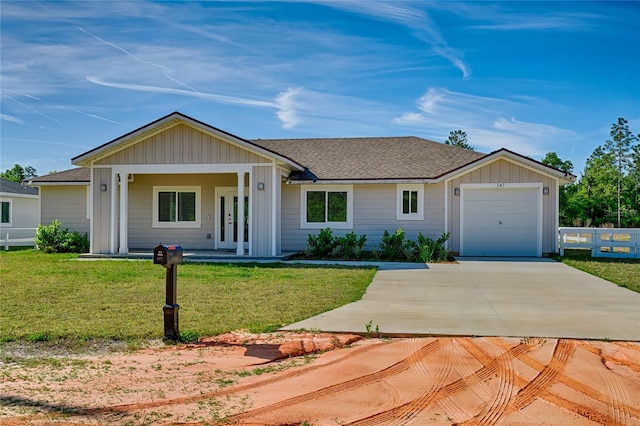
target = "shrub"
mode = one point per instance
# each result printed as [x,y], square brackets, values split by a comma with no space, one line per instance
[351,245]
[392,245]
[321,245]
[430,250]
[52,239]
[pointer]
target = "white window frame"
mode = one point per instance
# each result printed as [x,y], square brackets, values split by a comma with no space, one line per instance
[400,215]
[177,224]
[327,188]
[7,224]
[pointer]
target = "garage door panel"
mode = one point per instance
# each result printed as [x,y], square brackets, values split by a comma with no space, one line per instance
[500,222]
[502,206]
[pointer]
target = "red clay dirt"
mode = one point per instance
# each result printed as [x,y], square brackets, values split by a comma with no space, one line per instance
[326,379]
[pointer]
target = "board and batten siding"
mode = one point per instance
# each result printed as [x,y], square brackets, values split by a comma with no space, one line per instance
[182,144]
[503,171]
[101,225]
[68,204]
[261,210]
[374,211]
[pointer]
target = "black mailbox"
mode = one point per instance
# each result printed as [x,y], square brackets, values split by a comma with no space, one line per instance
[167,255]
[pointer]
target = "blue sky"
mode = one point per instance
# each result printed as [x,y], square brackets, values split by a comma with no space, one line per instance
[533,77]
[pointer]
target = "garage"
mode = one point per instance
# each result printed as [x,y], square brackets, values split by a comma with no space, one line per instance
[501,220]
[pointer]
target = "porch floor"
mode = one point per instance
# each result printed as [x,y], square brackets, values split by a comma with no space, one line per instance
[195,256]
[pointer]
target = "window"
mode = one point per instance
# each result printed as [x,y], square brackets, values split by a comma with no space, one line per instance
[6,213]
[327,206]
[176,207]
[410,203]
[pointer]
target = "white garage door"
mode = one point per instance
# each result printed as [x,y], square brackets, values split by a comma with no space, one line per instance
[500,221]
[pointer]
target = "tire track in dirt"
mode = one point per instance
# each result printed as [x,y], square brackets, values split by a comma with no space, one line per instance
[496,409]
[460,385]
[451,408]
[432,383]
[617,396]
[394,369]
[221,392]
[582,388]
[562,355]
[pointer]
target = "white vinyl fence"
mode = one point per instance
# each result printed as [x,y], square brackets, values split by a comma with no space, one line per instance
[603,242]
[11,237]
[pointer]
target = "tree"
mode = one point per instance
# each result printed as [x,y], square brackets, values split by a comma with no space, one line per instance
[567,209]
[459,138]
[552,159]
[18,173]
[619,148]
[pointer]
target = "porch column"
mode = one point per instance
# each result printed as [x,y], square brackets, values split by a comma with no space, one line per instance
[113,233]
[274,208]
[240,221]
[124,217]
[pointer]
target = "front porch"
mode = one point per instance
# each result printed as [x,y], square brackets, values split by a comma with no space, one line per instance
[192,256]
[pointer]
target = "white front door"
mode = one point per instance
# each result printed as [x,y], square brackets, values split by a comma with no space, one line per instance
[227,218]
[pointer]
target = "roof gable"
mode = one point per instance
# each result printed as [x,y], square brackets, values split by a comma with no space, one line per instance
[164,124]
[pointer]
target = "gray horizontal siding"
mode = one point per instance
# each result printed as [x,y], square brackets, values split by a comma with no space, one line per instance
[68,204]
[374,211]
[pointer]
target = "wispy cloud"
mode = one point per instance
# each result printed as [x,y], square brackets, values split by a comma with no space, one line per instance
[11,118]
[418,20]
[485,121]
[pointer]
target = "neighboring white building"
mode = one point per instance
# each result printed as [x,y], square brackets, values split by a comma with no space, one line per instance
[178,179]
[20,213]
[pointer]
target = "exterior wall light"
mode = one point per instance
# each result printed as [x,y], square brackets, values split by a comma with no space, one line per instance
[456,192]
[260,186]
[545,190]
[103,187]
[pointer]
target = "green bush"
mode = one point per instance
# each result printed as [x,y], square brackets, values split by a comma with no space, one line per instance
[52,239]
[392,247]
[322,245]
[430,250]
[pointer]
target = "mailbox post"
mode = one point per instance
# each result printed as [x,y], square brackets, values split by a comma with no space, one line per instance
[170,256]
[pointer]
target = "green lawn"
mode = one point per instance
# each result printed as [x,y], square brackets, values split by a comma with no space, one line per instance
[624,272]
[51,296]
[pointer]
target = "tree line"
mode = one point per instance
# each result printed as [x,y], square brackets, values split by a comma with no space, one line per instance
[608,190]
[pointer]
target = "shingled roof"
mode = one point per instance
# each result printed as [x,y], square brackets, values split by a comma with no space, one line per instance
[78,175]
[406,157]
[11,187]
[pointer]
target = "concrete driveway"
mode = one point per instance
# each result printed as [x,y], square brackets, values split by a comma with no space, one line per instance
[489,297]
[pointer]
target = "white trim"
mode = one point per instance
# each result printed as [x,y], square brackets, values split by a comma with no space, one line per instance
[167,123]
[167,169]
[62,183]
[91,221]
[240,244]
[556,218]
[14,195]
[113,232]
[363,181]
[507,156]
[177,224]
[506,186]
[124,217]
[328,188]
[274,211]
[10,223]
[224,190]
[419,188]
[446,212]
